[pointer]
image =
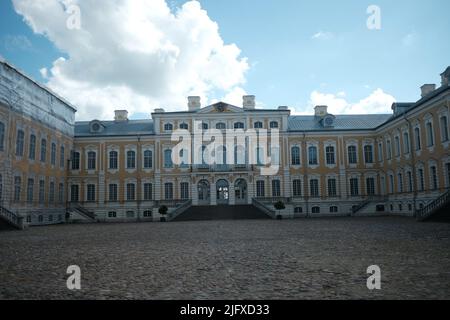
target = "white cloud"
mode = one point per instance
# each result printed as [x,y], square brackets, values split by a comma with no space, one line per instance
[377,102]
[135,54]
[17,43]
[322,35]
[410,39]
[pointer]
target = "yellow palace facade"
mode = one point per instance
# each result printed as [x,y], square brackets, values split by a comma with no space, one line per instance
[54,169]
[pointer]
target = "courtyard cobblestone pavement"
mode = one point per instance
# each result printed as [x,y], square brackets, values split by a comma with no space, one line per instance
[296,259]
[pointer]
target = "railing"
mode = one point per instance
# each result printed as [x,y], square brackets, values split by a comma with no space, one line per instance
[274,199]
[83,211]
[259,205]
[182,208]
[12,218]
[361,206]
[430,209]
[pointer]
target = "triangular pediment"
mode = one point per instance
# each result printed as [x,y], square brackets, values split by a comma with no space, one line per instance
[221,107]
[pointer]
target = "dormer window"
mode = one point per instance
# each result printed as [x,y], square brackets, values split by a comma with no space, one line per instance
[168,127]
[221,126]
[328,121]
[96,126]
[239,125]
[274,125]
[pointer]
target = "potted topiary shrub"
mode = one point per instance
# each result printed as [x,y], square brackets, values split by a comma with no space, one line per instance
[279,206]
[163,210]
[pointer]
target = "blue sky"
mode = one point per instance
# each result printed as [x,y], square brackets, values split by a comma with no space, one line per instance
[286,63]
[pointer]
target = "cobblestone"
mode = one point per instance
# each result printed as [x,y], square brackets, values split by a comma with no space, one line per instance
[299,259]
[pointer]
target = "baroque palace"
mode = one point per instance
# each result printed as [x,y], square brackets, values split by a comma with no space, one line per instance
[54,169]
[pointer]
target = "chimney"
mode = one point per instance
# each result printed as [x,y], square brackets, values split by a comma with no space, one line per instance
[249,102]
[321,111]
[446,77]
[427,89]
[194,103]
[121,115]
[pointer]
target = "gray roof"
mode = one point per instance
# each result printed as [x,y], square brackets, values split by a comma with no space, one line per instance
[116,128]
[341,122]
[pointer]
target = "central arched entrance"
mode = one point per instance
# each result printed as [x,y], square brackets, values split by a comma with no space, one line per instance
[223,192]
[204,193]
[241,191]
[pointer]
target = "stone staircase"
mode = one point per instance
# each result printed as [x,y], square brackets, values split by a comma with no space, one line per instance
[437,210]
[9,220]
[207,213]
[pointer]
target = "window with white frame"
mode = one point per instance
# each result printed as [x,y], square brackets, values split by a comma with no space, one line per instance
[53,155]
[312,156]
[75,160]
[90,195]
[239,125]
[131,159]
[332,187]
[297,188]
[92,160]
[368,154]
[314,188]
[295,155]
[391,184]
[421,178]
[43,150]
[32,148]
[370,186]
[389,149]
[258,125]
[430,134]
[30,190]
[260,189]
[330,155]
[274,125]
[148,191]
[41,191]
[113,160]
[397,146]
[417,138]
[400,182]
[61,197]
[168,127]
[74,193]
[51,192]
[62,156]
[221,126]
[184,126]
[352,155]
[184,190]
[20,141]
[406,143]
[113,192]
[410,181]
[17,188]
[434,178]
[276,188]
[168,163]
[380,152]
[354,187]
[148,159]
[131,192]
[444,128]
[168,191]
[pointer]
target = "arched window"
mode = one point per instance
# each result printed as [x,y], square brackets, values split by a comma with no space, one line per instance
[295,155]
[444,128]
[2,136]
[316,210]
[239,125]
[258,125]
[131,192]
[184,126]
[297,188]
[397,146]
[168,127]
[62,156]
[312,155]
[406,143]
[131,159]
[221,126]
[274,125]
[168,163]
[389,149]
[114,160]
[148,159]
[430,134]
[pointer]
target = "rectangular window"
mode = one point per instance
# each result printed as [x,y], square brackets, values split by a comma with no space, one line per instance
[20,143]
[131,160]
[332,191]
[330,155]
[92,159]
[397,146]
[168,191]
[75,161]
[113,160]
[62,157]
[314,188]
[131,192]
[410,181]
[90,193]
[400,183]
[380,152]
[113,192]
[53,155]
[51,192]
[17,188]
[352,155]
[444,129]
[184,190]
[32,149]
[148,192]
[168,159]
[354,187]
[297,188]
[389,149]
[260,189]
[112,214]
[74,193]
[148,159]
[61,197]
[434,178]
[430,134]
[406,143]
[276,188]
[41,191]
[2,136]
[391,184]
[370,186]
[30,190]
[368,154]
[418,140]
[43,150]
[312,154]
[421,180]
